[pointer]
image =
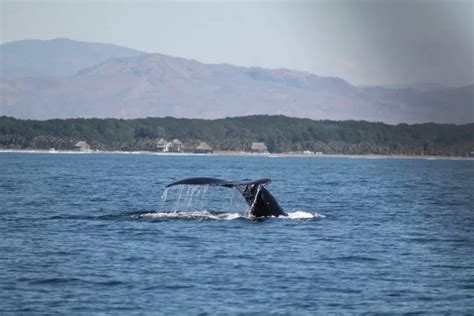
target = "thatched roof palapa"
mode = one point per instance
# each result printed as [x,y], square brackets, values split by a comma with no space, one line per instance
[177,142]
[82,146]
[259,147]
[203,148]
[176,146]
[162,142]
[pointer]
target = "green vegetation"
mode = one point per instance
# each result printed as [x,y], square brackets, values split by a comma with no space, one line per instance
[279,133]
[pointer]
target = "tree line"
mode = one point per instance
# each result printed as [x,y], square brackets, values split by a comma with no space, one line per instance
[279,133]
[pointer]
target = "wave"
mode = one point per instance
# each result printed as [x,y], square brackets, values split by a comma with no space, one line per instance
[206,215]
[304,215]
[185,215]
[192,215]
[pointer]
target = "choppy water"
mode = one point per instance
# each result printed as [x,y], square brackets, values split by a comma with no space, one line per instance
[89,233]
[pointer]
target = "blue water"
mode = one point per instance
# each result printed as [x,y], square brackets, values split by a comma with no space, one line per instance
[88,233]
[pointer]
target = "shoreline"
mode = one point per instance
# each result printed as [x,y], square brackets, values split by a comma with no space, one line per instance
[241,154]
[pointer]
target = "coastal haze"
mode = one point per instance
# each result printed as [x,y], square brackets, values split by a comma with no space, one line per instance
[62,78]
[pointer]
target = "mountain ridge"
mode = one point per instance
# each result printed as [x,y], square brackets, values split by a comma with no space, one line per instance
[56,57]
[154,84]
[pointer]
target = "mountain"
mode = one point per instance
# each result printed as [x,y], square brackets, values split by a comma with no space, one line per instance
[421,86]
[57,57]
[158,85]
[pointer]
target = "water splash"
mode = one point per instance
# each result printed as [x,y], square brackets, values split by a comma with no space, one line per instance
[194,215]
[207,215]
[163,198]
[198,202]
[198,198]
[303,215]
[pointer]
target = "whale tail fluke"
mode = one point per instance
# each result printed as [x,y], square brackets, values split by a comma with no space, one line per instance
[261,201]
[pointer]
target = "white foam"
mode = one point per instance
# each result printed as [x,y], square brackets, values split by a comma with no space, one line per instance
[193,215]
[303,215]
[202,215]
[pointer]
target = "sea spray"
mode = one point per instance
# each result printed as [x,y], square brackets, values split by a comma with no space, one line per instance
[163,198]
[207,215]
[181,190]
[200,197]
[193,192]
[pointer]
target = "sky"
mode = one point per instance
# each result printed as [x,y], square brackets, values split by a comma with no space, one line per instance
[364,42]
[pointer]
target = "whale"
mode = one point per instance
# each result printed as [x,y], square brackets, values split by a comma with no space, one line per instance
[261,202]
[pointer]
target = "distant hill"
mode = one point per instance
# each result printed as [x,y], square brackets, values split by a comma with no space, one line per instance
[58,57]
[279,133]
[157,85]
[422,86]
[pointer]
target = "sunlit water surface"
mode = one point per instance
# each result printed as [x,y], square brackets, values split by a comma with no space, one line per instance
[94,233]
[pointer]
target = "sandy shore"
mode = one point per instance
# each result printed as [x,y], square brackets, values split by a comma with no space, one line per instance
[240,154]
[231,153]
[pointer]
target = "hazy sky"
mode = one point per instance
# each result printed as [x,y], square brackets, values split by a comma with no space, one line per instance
[364,42]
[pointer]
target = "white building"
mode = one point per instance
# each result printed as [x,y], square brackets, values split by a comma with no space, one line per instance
[163,146]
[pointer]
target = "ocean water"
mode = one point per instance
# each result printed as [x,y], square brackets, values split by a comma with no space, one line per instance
[93,233]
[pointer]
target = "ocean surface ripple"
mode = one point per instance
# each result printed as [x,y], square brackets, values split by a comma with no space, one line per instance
[93,234]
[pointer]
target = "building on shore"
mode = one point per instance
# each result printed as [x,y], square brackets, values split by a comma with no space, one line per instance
[258,148]
[82,146]
[203,148]
[176,146]
[163,146]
